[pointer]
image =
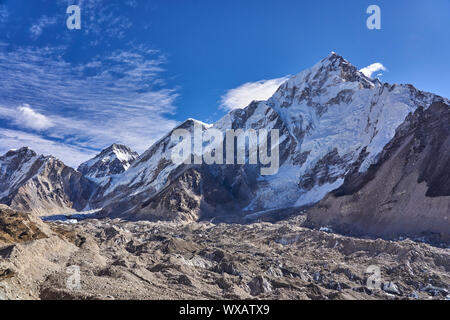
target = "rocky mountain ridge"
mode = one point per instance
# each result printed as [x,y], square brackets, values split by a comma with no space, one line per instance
[334,123]
[41,184]
[113,160]
[331,118]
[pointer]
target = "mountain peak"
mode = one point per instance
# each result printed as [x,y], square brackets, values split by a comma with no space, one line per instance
[115,147]
[110,161]
[191,121]
[24,152]
[334,63]
[41,184]
[333,56]
[331,72]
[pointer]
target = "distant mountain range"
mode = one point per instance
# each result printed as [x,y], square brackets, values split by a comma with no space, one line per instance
[362,156]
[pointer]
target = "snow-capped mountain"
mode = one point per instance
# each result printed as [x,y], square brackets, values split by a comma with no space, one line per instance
[125,194]
[335,125]
[407,192]
[331,118]
[113,160]
[338,118]
[41,184]
[14,167]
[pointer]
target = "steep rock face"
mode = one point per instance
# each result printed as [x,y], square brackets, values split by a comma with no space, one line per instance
[123,195]
[192,193]
[330,117]
[406,193]
[112,160]
[156,188]
[42,185]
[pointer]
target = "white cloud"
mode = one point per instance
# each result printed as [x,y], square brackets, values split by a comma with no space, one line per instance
[37,29]
[375,67]
[243,95]
[28,118]
[120,98]
[71,155]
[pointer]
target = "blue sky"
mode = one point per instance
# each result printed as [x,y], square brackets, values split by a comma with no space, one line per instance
[138,67]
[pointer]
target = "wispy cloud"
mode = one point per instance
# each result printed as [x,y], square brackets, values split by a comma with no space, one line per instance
[102,18]
[4,14]
[118,98]
[375,67]
[37,29]
[243,95]
[27,117]
[15,139]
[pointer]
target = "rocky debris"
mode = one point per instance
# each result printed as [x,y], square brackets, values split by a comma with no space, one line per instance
[274,272]
[259,285]
[391,287]
[184,279]
[6,274]
[30,264]
[435,291]
[18,227]
[224,283]
[65,294]
[333,285]
[201,260]
[227,267]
